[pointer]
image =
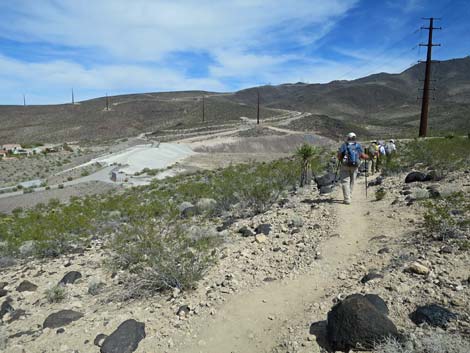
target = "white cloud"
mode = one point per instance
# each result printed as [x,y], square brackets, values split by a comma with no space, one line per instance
[147,29]
[135,38]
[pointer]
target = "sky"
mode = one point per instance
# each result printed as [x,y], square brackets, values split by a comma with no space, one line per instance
[49,47]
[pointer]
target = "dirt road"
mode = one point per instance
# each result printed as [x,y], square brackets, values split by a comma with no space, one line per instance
[253,320]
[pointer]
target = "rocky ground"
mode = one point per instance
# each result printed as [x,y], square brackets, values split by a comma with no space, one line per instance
[278,276]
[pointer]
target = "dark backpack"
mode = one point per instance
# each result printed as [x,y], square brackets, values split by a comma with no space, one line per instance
[351,155]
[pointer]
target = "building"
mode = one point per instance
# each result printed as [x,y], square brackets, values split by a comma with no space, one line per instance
[11,148]
[118,176]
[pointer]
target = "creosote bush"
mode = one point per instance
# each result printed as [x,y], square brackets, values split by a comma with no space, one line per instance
[380,194]
[161,255]
[55,294]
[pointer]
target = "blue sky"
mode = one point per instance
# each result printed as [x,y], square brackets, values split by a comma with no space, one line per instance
[122,46]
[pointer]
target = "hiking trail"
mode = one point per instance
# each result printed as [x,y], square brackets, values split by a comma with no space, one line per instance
[251,321]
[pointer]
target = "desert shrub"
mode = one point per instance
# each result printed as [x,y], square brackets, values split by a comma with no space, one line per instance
[440,153]
[161,255]
[95,286]
[306,154]
[55,294]
[69,178]
[421,194]
[434,343]
[84,173]
[61,186]
[380,194]
[446,218]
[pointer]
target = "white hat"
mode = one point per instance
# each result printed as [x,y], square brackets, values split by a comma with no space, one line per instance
[351,136]
[392,140]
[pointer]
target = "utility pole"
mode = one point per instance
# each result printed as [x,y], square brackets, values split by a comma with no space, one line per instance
[203,110]
[257,110]
[73,98]
[423,124]
[24,100]
[107,102]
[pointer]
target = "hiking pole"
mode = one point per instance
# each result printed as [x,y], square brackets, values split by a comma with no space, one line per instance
[367,171]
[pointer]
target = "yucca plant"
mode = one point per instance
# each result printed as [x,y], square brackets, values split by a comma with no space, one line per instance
[306,153]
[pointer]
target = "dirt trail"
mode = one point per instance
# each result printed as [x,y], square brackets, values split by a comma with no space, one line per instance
[252,321]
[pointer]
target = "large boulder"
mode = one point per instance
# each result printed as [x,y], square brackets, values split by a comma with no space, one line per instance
[26,286]
[264,228]
[70,278]
[433,315]
[5,308]
[417,176]
[358,322]
[125,339]
[61,318]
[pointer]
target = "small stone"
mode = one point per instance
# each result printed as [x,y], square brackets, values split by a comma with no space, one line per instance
[418,268]
[263,228]
[26,286]
[99,339]
[246,232]
[260,238]
[183,310]
[61,318]
[70,278]
[125,339]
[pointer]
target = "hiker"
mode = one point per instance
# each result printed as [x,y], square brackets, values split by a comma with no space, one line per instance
[349,154]
[380,156]
[390,150]
[373,153]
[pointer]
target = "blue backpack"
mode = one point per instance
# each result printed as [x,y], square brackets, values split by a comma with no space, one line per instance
[351,154]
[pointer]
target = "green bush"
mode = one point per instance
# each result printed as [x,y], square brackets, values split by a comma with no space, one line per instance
[440,153]
[55,294]
[380,194]
[160,256]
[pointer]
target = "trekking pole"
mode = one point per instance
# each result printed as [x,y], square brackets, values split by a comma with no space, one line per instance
[367,171]
[336,173]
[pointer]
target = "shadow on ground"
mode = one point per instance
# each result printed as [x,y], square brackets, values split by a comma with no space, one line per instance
[319,330]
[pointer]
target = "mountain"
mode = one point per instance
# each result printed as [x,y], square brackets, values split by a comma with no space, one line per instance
[377,105]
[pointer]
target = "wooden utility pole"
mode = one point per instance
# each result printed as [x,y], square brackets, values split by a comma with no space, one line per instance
[203,110]
[24,100]
[423,124]
[73,98]
[257,110]
[107,102]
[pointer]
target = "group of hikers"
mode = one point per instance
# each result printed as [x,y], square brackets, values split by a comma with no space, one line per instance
[350,155]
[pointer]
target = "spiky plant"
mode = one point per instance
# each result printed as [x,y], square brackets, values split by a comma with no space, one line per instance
[306,153]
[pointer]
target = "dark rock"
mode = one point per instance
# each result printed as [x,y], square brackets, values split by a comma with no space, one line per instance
[98,341]
[70,278]
[246,232]
[61,318]
[406,187]
[3,284]
[125,339]
[384,251]
[435,175]
[326,189]
[226,224]
[16,315]
[378,302]
[407,192]
[433,315]
[377,181]
[24,333]
[5,308]
[183,310]
[189,212]
[358,322]
[325,180]
[416,177]
[60,330]
[269,279]
[3,292]
[26,286]
[446,249]
[370,276]
[263,228]
[283,202]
